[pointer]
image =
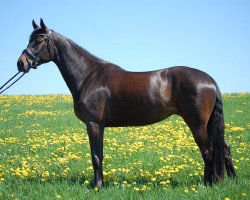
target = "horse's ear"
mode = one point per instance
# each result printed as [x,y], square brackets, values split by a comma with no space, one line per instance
[35,26]
[43,26]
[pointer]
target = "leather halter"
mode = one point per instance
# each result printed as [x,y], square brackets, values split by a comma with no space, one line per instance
[33,57]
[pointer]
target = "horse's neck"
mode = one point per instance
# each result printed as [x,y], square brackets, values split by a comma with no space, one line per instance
[72,62]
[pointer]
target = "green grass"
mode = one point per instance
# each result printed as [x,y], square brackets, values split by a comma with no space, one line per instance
[45,154]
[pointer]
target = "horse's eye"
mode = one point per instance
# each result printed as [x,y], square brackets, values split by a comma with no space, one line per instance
[39,39]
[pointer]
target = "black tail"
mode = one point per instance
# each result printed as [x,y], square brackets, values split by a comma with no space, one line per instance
[228,162]
[216,134]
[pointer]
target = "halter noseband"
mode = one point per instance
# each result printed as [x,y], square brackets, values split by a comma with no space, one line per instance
[29,54]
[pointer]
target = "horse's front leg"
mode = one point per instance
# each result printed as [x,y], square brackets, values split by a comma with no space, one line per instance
[95,132]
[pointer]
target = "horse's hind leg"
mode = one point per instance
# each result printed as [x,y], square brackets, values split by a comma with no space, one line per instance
[229,162]
[200,134]
[197,121]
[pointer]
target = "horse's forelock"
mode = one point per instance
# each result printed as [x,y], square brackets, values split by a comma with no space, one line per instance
[35,32]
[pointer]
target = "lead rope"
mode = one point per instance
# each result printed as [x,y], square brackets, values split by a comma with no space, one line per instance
[11,83]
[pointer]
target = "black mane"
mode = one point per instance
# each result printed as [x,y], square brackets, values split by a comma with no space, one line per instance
[84,51]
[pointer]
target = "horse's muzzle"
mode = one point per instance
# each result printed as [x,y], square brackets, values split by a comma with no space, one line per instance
[24,64]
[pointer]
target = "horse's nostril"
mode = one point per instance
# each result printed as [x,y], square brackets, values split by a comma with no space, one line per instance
[20,63]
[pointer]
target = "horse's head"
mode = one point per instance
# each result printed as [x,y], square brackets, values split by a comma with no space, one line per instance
[39,50]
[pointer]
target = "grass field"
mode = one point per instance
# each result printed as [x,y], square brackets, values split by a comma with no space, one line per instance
[44,154]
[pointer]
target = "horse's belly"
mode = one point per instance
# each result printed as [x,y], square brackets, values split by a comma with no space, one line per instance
[138,115]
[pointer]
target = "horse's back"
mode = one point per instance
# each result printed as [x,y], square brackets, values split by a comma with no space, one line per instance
[138,98]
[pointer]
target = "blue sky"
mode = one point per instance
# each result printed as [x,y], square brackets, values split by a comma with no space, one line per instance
[213,36]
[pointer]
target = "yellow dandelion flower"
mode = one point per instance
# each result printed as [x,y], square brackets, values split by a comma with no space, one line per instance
[236,128]
[164,182]
[153,179]
[113,170]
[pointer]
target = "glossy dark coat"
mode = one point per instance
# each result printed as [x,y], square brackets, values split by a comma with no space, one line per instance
[106,95]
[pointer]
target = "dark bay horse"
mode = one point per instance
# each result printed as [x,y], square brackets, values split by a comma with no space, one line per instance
[106,95]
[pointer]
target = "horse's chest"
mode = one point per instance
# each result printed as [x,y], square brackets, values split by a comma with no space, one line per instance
[90,108]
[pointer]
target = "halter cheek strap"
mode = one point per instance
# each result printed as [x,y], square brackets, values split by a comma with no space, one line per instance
[49,44]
